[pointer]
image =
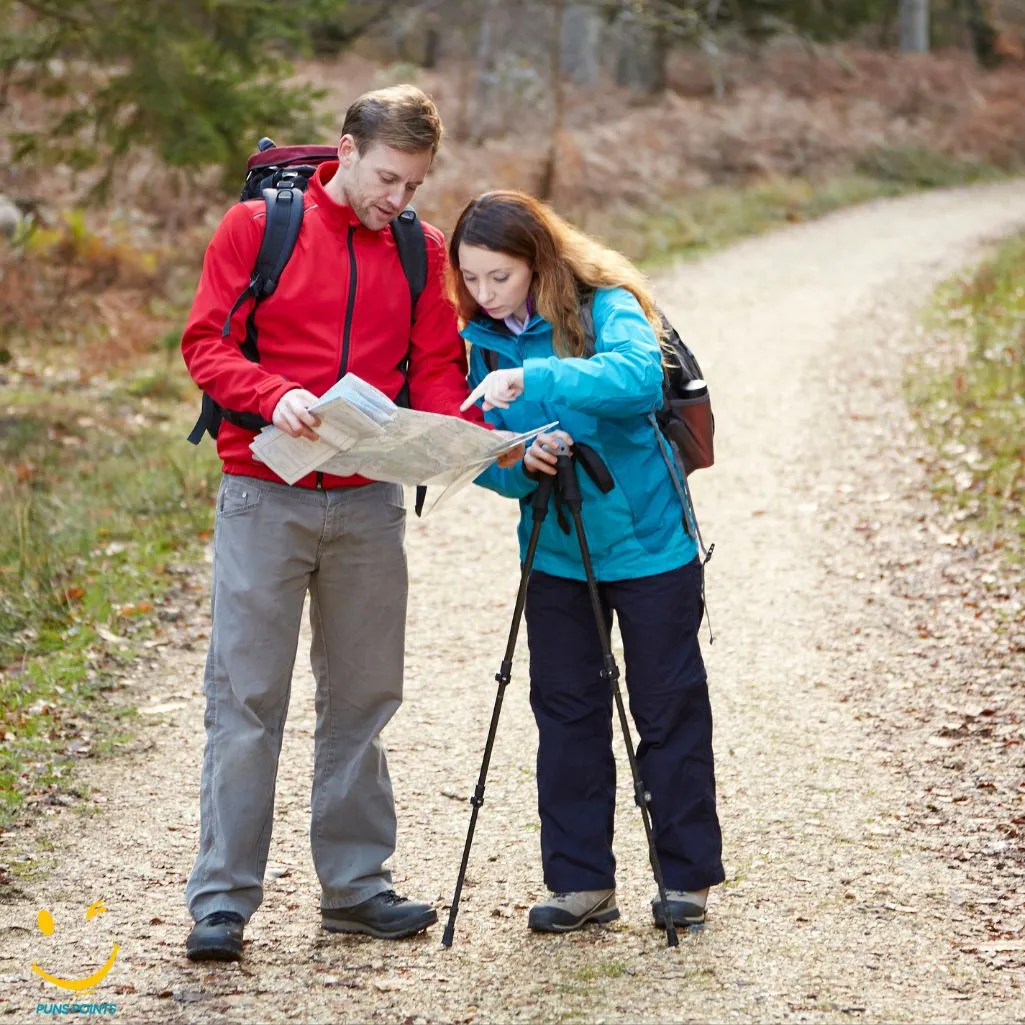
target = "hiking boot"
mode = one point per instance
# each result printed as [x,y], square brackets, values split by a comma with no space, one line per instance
[217,937]
[687,907]
[564,912]
[386,916]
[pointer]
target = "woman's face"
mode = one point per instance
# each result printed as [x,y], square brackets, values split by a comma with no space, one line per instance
[498,282]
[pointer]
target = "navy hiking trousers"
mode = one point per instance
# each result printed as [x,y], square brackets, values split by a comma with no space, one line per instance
[668,695]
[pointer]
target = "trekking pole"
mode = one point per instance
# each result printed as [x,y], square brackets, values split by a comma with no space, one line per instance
[569,496]
[539,505]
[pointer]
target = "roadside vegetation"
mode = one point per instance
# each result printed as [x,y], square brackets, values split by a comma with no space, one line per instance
[715,216]
[103,500]
[968,394]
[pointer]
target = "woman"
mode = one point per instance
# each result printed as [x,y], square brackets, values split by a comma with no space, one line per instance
[517,275]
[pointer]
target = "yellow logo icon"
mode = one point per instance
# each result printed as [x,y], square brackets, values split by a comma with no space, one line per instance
[45,922]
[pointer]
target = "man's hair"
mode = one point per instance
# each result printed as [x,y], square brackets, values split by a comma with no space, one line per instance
[400,116]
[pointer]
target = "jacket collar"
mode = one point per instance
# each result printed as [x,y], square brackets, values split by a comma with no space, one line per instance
[484,326]
[340,215]
[493,334]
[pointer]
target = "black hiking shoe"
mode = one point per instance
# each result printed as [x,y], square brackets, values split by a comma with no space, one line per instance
[564,912]
[687,908]
[217,937]
[385,916]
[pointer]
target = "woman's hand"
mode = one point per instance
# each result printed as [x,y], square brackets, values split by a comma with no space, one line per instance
[498,389]
[513,455]
[542,454]
[510,458]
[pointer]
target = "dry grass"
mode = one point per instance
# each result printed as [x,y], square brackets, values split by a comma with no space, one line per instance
[796,133]
[790,113]
[967,393]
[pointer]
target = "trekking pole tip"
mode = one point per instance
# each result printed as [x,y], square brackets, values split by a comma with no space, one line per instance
[446,939]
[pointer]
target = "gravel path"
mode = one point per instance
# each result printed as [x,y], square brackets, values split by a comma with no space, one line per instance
[832,911]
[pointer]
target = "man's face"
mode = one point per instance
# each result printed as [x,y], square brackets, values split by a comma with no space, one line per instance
[380,182]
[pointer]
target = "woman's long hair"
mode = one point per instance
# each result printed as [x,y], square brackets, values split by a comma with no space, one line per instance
[564,260]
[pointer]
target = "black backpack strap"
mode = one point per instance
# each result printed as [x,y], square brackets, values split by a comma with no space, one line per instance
[594,466]
[587,320]
[284,206]
[411,243]
[245,294]
[490,358]
[284,218]
[209,421]
[421,497]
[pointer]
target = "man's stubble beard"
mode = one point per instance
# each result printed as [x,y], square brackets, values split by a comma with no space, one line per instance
[363,208]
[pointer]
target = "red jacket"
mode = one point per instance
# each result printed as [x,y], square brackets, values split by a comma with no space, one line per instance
[307,336]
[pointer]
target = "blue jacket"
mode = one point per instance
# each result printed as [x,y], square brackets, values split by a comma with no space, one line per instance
[637,529]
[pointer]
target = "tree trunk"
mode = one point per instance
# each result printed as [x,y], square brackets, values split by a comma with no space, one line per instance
[581,38]
[983,33]
[484,91]
[914,26]
[432,44]
[641,54]
[547,184]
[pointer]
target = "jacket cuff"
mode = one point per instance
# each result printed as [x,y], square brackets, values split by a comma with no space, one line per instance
[529,480]
[269,402]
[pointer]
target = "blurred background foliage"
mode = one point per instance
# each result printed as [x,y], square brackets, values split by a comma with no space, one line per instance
[195,81]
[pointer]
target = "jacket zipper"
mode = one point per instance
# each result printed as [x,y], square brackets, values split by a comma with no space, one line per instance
[350,305]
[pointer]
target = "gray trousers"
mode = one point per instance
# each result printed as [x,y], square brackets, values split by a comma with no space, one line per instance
[272,544]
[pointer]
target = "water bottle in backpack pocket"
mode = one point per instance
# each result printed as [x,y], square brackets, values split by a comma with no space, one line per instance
[689,423]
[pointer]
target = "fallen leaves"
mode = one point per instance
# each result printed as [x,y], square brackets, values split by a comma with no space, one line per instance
[135,609]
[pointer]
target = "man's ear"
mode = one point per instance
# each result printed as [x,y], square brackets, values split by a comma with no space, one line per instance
[347,151]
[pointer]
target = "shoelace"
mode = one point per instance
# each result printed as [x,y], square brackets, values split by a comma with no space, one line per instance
[391,897]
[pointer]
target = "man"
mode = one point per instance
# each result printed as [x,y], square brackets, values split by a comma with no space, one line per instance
[342,304]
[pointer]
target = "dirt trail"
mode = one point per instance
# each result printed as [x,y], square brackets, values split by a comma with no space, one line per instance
[831,912]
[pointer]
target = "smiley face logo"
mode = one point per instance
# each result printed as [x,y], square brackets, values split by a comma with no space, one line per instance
[45,922]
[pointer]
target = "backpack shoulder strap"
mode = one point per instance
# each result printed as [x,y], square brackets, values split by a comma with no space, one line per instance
[490,358]
[284,206]
[587,319]
[411,243]
[284,218]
